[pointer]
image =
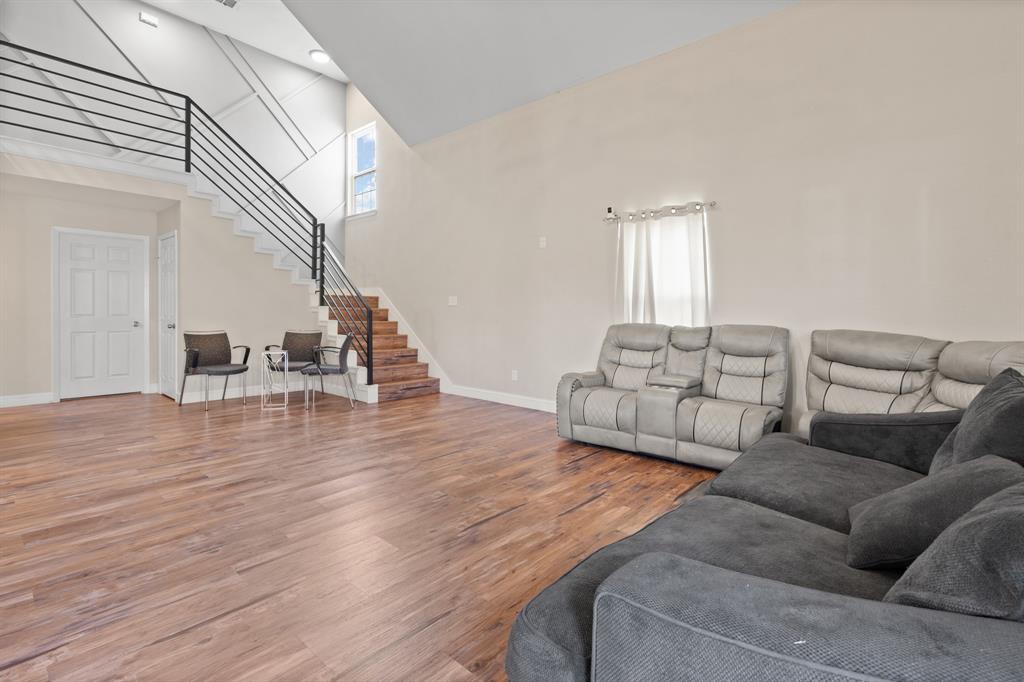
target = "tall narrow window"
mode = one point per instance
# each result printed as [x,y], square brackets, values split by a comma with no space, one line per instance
[362,164]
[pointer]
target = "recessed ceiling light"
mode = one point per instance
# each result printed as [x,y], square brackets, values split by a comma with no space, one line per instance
[319,56]
[149,19]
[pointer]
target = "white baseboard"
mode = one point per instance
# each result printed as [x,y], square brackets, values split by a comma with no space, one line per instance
[27,399]
[500,397]
[447,386]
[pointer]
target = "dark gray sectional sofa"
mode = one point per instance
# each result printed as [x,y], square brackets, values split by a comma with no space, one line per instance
[753,581]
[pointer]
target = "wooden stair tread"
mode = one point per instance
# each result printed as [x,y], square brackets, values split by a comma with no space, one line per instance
[386,357]
[396,390]
[372,301]
[410,370]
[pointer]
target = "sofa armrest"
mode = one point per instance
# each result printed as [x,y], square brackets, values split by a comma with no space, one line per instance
[664,617]
[906,440]
[674,381]
[569,383]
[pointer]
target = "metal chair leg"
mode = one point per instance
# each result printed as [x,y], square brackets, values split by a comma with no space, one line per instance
[305,391]
[351,389]
[322,389]
[244,375]
[224,393]
[206,388]
[181,398]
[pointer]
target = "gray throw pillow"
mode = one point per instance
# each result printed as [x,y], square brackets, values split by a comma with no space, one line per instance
[893,528]
[993,424]
[976,566]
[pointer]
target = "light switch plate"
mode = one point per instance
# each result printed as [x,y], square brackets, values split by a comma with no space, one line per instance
[453,300]
[542,243]
[515,375]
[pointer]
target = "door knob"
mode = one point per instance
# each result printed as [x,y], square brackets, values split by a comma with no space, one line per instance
[171,325]
[136,323]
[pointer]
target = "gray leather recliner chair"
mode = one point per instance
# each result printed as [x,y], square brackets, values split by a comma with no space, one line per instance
[867,372]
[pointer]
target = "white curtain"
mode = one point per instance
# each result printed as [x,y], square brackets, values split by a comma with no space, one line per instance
[662,269]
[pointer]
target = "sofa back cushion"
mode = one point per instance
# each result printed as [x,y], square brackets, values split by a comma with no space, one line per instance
[857,372]
[747,363]
[993,424]
[965,367]
[687,350]
[976,566]
[631,353]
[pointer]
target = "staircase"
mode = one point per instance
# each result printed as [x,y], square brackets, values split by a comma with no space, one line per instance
[167,132]
[397,370]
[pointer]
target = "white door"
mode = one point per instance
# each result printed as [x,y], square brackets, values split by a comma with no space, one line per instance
[168,314]
[101,316]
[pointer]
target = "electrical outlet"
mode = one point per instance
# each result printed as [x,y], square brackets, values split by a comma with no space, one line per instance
[453,300]
[515,375]
[542,243]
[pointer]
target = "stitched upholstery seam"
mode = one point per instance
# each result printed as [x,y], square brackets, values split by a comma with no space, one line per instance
[616,370]
[617,403]
[914,354]
[584,410]
[825,395]
[739,431]
[764,375]
[695,413]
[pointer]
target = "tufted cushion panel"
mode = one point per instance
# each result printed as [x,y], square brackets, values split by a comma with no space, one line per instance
[856,372]
[631,353]
[965,367]
[747,363]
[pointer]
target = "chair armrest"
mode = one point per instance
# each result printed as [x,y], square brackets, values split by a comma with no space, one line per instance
[318,354]
[245,357]
[664,617]
[191,358]
[569,383]
[906,440]
[674,381]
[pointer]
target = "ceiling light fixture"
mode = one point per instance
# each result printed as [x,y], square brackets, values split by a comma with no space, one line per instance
[319,56]
[149,19]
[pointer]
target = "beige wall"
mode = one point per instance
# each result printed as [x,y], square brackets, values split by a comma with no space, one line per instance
[26,277]
[223,284]
[867,158]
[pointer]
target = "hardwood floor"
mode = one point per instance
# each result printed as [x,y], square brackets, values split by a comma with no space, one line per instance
[141,540]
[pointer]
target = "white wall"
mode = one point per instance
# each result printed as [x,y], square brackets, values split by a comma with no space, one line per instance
[291,119]
[866,158]
[222,284]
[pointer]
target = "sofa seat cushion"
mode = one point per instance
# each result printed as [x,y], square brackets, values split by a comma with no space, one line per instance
[602,407]
[724,423]
[551,637]
[812,484]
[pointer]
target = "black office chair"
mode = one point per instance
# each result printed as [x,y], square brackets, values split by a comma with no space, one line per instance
[321,367]
[301,348]
[209,354]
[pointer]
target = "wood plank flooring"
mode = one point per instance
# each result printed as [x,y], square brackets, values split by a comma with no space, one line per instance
[143,541]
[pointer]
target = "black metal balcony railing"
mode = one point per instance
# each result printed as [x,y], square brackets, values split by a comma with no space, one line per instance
[89,108]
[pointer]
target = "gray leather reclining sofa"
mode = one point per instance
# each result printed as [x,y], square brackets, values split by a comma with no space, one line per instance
[752,580]
[699,395]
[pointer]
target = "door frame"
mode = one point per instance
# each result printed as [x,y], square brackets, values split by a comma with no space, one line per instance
[177,313]
[55,235]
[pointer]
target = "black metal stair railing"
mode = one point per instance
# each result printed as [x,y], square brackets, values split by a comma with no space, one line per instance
[91,108]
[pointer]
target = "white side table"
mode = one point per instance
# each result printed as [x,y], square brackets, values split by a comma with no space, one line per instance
[274,394]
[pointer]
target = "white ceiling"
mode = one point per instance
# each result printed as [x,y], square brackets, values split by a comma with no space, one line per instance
[433,67]
[266,24]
